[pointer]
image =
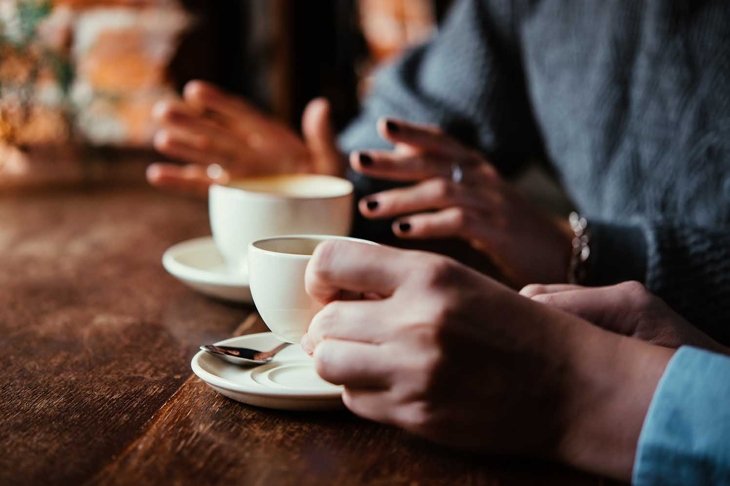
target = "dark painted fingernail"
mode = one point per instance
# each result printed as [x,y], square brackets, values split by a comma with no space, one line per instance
[392,126]
[372,204]
[404,226]
[365,160]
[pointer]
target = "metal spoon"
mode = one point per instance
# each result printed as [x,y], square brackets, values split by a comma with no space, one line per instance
[242,356]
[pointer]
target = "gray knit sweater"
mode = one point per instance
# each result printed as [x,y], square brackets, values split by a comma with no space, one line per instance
[628,101]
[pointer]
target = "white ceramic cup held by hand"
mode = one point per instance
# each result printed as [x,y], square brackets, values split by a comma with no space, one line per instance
[246,210]
[276,272]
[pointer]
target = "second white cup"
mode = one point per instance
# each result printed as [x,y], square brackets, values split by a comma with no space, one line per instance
[246,210]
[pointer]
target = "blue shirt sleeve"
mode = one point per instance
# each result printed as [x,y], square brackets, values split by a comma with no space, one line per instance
[685,439]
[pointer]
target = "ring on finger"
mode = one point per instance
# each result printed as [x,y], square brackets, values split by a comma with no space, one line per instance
[457,173]
[216,173]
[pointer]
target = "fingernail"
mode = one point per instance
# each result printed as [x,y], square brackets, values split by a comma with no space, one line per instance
[392,126]
[372,204]
[159,110]
[153,171]
[365,160]
[404,226]
[161,139]
[304,343]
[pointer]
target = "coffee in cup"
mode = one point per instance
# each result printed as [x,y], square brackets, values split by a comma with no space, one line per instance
[246,210]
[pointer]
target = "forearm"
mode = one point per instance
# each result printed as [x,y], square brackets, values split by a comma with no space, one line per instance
[611,383]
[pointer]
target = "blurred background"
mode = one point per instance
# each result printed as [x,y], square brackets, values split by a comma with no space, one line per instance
[78,78]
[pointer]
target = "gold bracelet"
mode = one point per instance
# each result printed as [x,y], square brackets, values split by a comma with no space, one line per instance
[581,249]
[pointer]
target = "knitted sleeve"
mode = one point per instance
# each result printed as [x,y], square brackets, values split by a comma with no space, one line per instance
[467,79]
[688,266]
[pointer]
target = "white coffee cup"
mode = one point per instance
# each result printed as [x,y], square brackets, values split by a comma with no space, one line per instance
[246,210]
[276,275]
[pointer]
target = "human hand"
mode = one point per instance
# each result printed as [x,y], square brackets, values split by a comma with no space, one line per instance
[220,136]
[482,208]
[451,355]
[627,308]
[431,343]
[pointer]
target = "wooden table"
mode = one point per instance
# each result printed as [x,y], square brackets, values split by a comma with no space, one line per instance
[96,386]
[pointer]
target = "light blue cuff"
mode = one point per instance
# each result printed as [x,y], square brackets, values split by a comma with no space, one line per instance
[685,439]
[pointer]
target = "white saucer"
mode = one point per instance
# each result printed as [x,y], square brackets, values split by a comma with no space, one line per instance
[199,264]
[289,382]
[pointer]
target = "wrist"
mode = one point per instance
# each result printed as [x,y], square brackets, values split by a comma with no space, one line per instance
[563,251]
[611,381]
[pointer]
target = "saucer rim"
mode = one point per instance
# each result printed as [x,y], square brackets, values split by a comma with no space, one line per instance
[258,389]
[186,272]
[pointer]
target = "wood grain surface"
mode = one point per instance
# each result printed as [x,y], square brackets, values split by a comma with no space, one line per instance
[96,387]
[201,437]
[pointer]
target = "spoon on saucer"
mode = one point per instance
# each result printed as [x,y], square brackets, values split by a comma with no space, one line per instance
[242,356]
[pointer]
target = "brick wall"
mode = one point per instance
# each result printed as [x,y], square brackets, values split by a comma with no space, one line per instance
[121,56]
[389,27]
[118,53]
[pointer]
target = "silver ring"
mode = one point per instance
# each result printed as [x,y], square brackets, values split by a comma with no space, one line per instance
[457,173]
[215,172]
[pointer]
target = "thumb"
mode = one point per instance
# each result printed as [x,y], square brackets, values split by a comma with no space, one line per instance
[320,138]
